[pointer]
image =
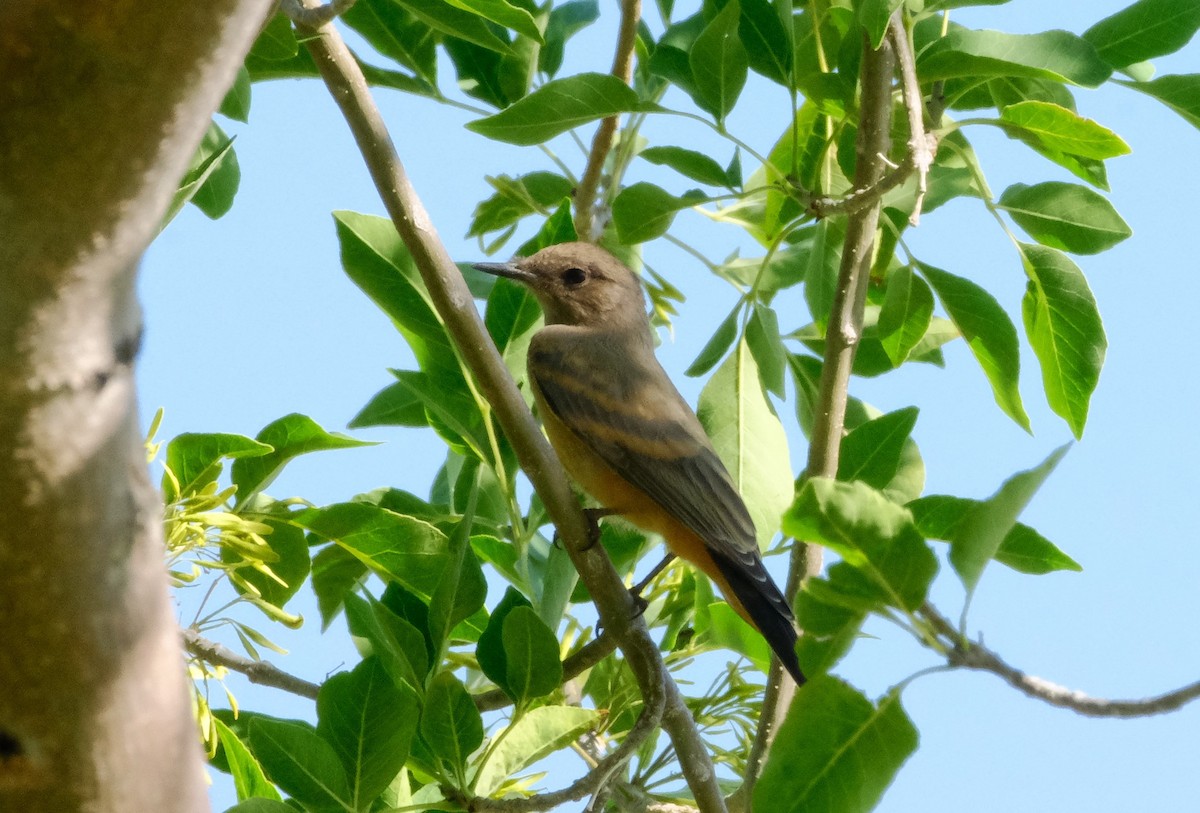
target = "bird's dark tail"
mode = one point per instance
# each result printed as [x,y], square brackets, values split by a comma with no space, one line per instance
[768,610]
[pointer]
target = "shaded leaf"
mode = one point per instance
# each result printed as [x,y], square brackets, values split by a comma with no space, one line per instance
[450,724]
[300,762]
[719,62]
[289,437]
[531,655]
[1056,55]
[1144,30]
[872,451]
[905,315]
[644,211]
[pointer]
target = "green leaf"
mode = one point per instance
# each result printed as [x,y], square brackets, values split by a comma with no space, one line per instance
[905,315]
[1065,216]
[829,630]
[449,406]
[874,16]
[502,13]
[1065,331]
[517,198]
[1023,549]
[768,43]
[370,724]
[452,20]
[719,62]
[409,550]
[645,211]
[450,724]
[558,106]
[236,104]
[194,459]
[872,452]
[335,573]
[399,646]
[820,278]
[715,348]
[978,536]
[1144,30]
[489,652]
[248,778]
[377,261]
[871,533]
[300,762]
[289,437]
[835,751]
[531,654]
[988,332]
[536,734]
[749,439]
[395,32]
[398,404]
[766,345]
[462,589]
[565,21]
[212,178]
[1181,93]
[691,164]
[721,626]
[1056,55]
[1062,130]
[277,41]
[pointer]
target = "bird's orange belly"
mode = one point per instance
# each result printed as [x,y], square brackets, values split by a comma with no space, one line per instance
[616,493]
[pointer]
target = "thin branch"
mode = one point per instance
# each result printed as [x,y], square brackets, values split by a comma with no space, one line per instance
[585,193]
[922,147]
[454,304]
[974,655]
[841,341]
[590,783]
[263,673]
[578,662]
[315,16]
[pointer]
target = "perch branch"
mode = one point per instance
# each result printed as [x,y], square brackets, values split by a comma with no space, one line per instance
[263,673]
[454,304]
[974,655]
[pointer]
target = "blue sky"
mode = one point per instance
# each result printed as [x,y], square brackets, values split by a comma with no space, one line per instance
[250,318]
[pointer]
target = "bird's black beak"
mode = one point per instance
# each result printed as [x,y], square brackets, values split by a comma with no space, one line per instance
[509,269]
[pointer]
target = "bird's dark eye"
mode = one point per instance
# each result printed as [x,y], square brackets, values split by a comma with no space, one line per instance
[574,276]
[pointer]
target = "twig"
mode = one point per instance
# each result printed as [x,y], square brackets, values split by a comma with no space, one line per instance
[453,302]
[263,673]
[585,193]
[590,783]
[841,341]
[921,146]
[974,655]
[315,16]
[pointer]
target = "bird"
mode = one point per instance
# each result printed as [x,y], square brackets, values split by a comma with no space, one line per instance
[626,435]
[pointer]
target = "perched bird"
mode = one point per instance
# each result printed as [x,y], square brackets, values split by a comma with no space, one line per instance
[627,437]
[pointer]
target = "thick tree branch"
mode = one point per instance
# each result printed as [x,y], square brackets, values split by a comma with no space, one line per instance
[974,655]
[103,106]
[841,341]
[585,193]
[454,304]
[263,673]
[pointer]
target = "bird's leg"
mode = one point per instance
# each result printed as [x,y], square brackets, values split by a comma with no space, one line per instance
[636,590]
[593,516]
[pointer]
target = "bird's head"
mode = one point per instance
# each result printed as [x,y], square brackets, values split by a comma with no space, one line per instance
[578,284]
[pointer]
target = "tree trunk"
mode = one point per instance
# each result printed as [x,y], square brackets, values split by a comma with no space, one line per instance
[101,106]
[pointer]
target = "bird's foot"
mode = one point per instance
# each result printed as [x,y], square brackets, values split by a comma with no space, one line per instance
[593,516]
